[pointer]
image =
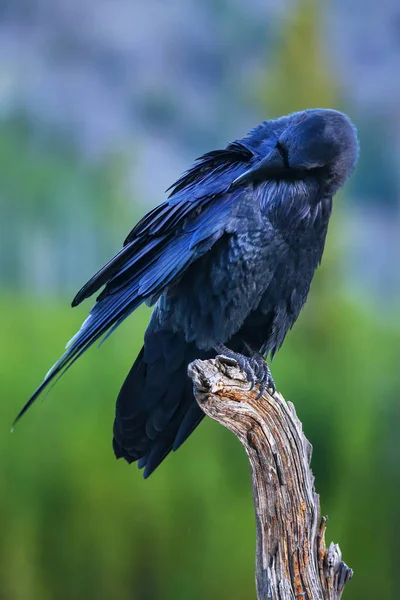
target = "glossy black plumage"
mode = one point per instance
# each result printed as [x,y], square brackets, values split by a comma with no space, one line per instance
[227,259]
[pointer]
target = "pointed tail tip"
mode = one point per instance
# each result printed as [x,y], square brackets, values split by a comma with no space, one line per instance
[20,414]
[28,404]
[17,418]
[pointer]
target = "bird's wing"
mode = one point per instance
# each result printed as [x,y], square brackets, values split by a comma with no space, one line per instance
[159,249]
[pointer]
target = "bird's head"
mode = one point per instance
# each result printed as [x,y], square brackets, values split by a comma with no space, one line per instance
[320,139]
[319,142]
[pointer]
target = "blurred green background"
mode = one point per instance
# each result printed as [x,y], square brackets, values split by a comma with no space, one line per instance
[74,178]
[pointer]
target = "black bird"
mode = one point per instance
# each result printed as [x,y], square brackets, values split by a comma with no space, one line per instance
[227,260]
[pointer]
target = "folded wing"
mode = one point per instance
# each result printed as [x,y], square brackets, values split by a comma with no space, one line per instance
[158,250]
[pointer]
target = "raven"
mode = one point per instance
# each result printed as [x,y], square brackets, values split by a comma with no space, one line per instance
[227,259]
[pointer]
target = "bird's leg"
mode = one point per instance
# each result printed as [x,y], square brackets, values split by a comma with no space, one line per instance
[255,366]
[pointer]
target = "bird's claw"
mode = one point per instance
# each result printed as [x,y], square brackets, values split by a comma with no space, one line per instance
[263,374]
[255,367]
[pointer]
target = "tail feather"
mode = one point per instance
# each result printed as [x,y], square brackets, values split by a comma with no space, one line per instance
[190,421]
[156,410]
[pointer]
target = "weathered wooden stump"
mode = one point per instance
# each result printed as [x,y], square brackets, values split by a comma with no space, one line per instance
[292,561]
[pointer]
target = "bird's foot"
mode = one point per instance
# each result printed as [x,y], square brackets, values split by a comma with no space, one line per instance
[255,367]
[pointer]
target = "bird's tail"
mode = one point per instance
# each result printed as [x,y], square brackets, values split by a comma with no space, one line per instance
[156,410]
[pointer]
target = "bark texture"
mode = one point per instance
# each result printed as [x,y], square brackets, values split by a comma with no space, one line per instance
[292,561]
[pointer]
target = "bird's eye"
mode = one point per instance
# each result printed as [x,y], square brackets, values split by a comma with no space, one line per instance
[284,153]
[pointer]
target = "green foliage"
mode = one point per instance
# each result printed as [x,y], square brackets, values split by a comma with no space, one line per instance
[77,524]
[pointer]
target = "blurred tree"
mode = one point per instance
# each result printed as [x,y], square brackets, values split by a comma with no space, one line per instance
[300,76]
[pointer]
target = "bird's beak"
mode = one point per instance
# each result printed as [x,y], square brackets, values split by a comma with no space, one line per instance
[273,162]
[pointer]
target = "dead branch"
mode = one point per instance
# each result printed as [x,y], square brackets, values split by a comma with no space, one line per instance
[292,561]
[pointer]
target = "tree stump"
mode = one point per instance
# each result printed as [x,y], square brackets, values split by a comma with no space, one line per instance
[292,561]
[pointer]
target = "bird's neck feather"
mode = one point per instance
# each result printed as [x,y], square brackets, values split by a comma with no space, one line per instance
[294,205]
